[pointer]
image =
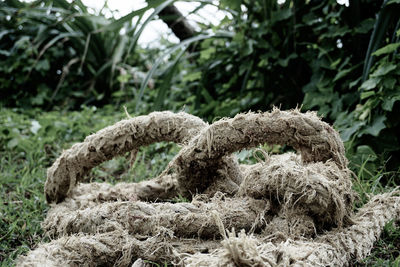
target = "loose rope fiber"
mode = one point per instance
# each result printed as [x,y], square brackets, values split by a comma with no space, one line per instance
[289,209]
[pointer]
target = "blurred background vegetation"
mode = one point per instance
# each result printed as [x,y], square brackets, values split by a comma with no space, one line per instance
[66,71]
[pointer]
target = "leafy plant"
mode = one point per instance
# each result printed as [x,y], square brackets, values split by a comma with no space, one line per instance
[309,53]
[55,52]
[373,125]
[270,58]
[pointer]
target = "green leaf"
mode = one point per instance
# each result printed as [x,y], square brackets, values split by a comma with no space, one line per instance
[117,55]
[167,82]
[316,99]
[192,77]
[233,4]
[377,126]
[238,37]
[367,94]
[119,50]
[335,63]
[310,19]
[285,62]
[4,53]
[342,74]
[42,65]
[393,2]
[206,53]
[370,84]
[39,98]
[354,83]
[365,26]
[281,15]
[389,83]
[207,96]
[124,78]
[384,69]
[390,48]
[348,132]
[248,50]
[389,102]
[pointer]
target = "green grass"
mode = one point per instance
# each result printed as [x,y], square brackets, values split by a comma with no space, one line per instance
[26,151]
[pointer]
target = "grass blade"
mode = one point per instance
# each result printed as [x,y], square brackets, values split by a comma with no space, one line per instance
[118,24]
[150,18]
[162,92]
[182,45]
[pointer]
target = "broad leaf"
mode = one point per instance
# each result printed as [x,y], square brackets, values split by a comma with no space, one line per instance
[346,134]
[384,69]
[375,128]
[370,84]
[390,48]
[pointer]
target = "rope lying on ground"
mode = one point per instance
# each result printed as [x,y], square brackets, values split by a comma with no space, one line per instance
[124,136]
[296,209]
[336,248]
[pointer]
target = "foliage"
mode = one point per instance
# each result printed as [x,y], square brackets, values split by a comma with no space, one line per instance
[374,120]
[371,128]
[270,58]
[54,52]
[313,54]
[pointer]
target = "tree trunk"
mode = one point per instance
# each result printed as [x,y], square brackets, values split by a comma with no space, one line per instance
[177,22]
